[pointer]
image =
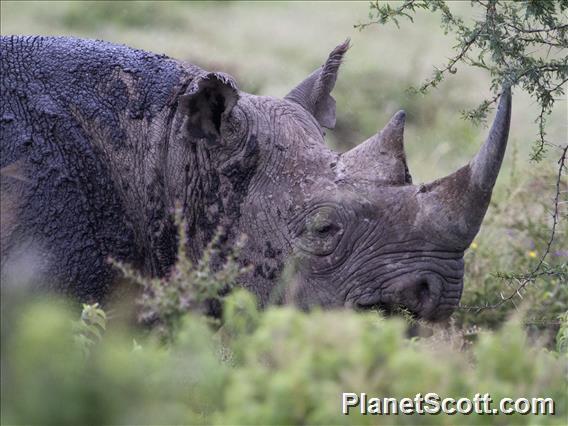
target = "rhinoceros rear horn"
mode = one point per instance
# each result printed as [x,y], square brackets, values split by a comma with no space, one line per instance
[457,203]
[381,158]
[314,93]
[208,100]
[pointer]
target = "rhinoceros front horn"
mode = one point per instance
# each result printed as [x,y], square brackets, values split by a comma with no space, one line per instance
[456,204]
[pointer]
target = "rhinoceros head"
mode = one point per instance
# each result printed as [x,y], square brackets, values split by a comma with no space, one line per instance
[352,228]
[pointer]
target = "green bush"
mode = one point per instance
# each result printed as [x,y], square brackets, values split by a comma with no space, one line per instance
[279,366]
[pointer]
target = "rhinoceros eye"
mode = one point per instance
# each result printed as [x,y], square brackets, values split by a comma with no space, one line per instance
[320,231]
[323,223]
[325,229]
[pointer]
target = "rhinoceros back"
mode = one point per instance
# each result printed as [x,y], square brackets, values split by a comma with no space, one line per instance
[63,199]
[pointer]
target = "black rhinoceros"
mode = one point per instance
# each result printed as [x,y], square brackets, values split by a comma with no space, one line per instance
[101,141]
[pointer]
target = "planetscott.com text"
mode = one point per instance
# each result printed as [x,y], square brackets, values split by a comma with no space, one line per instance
[432,403]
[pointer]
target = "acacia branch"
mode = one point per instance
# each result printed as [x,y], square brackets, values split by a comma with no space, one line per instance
[537,30]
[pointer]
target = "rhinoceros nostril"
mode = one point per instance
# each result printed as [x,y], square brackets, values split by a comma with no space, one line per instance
[423,291]
[418,294]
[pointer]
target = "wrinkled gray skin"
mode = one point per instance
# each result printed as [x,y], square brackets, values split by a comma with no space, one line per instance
[100,142]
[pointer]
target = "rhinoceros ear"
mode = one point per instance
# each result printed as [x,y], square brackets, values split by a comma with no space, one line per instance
[207,102]
[314,93]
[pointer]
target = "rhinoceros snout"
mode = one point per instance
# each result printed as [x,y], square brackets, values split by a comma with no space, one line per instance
[425,295]
[419,293]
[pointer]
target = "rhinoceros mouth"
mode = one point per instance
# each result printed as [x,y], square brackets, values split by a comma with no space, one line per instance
[420,296]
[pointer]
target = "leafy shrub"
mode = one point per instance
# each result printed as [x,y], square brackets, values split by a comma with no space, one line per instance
[279,366]
[88,331]
[188,287]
